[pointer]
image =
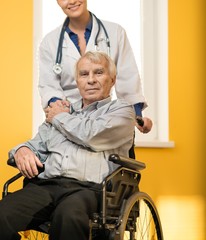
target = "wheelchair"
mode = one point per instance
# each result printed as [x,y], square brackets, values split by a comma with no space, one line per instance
[125,213]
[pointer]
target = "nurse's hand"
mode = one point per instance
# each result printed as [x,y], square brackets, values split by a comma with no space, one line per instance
[147,125]
[59,102]
[56,108]
[65,103]
[27,162]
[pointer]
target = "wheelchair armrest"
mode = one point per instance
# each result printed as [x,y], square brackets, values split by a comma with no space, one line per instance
[127,162]
[11,162]
[115,158]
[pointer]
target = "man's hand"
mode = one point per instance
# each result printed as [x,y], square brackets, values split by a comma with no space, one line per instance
[56,108]
[147,126]
[27,162]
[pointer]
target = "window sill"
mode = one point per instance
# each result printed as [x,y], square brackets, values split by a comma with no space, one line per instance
[155,144]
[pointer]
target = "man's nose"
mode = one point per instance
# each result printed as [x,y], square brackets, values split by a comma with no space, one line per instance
[91,78]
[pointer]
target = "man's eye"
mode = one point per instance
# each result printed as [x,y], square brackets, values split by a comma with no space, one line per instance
[99,72]
[84,74]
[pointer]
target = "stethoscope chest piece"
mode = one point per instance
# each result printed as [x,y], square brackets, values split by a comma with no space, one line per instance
[57,69]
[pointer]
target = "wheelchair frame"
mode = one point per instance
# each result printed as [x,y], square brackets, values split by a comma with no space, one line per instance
[122,206]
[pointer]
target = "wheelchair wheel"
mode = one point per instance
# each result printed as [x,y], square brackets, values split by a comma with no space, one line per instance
[140,219]
[33,235]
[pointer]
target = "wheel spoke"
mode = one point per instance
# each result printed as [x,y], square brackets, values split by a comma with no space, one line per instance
[141,220]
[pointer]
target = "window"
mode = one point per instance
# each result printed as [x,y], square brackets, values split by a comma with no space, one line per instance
[146,26]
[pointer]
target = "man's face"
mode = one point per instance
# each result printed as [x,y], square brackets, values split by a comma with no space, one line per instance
[73,8]
[94,81]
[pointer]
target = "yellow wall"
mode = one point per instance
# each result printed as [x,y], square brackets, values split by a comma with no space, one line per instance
[180,172]
[15,77]
[177,172]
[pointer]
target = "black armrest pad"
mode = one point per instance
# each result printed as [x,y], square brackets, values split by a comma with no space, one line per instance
[127,162]
[11,162]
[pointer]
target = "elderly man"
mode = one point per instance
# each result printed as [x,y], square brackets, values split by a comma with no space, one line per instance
[73,145]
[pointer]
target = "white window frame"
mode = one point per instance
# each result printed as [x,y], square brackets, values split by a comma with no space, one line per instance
[154,32]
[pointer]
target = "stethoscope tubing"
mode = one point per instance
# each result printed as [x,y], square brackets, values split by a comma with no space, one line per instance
[61,38]
[57,67]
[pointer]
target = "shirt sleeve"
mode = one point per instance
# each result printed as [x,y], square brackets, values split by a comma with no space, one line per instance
[36,145]
[104,131]
[54,99]
[128,85]
[49,83]
[138,109]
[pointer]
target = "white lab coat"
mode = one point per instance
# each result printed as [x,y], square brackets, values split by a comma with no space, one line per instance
[128,84]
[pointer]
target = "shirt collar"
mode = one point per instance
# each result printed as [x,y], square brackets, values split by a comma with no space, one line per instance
[78,106]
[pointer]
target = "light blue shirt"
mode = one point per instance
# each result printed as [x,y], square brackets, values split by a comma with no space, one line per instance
[78,144]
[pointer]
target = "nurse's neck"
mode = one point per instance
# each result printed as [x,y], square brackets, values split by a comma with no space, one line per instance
[80,23]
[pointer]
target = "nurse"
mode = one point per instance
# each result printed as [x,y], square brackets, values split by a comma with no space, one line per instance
[79,36]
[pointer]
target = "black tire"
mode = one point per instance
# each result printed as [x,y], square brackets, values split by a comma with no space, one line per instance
[140,219]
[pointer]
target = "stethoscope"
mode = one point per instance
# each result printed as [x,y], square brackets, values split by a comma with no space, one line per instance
[57,68]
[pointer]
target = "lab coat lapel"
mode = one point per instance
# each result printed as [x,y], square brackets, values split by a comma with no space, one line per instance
[100,41]
[90,44]
[70,48]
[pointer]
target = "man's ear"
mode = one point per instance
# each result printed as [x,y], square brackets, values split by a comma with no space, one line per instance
[113,80]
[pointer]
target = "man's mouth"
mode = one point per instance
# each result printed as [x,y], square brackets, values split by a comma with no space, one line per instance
[91,90]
